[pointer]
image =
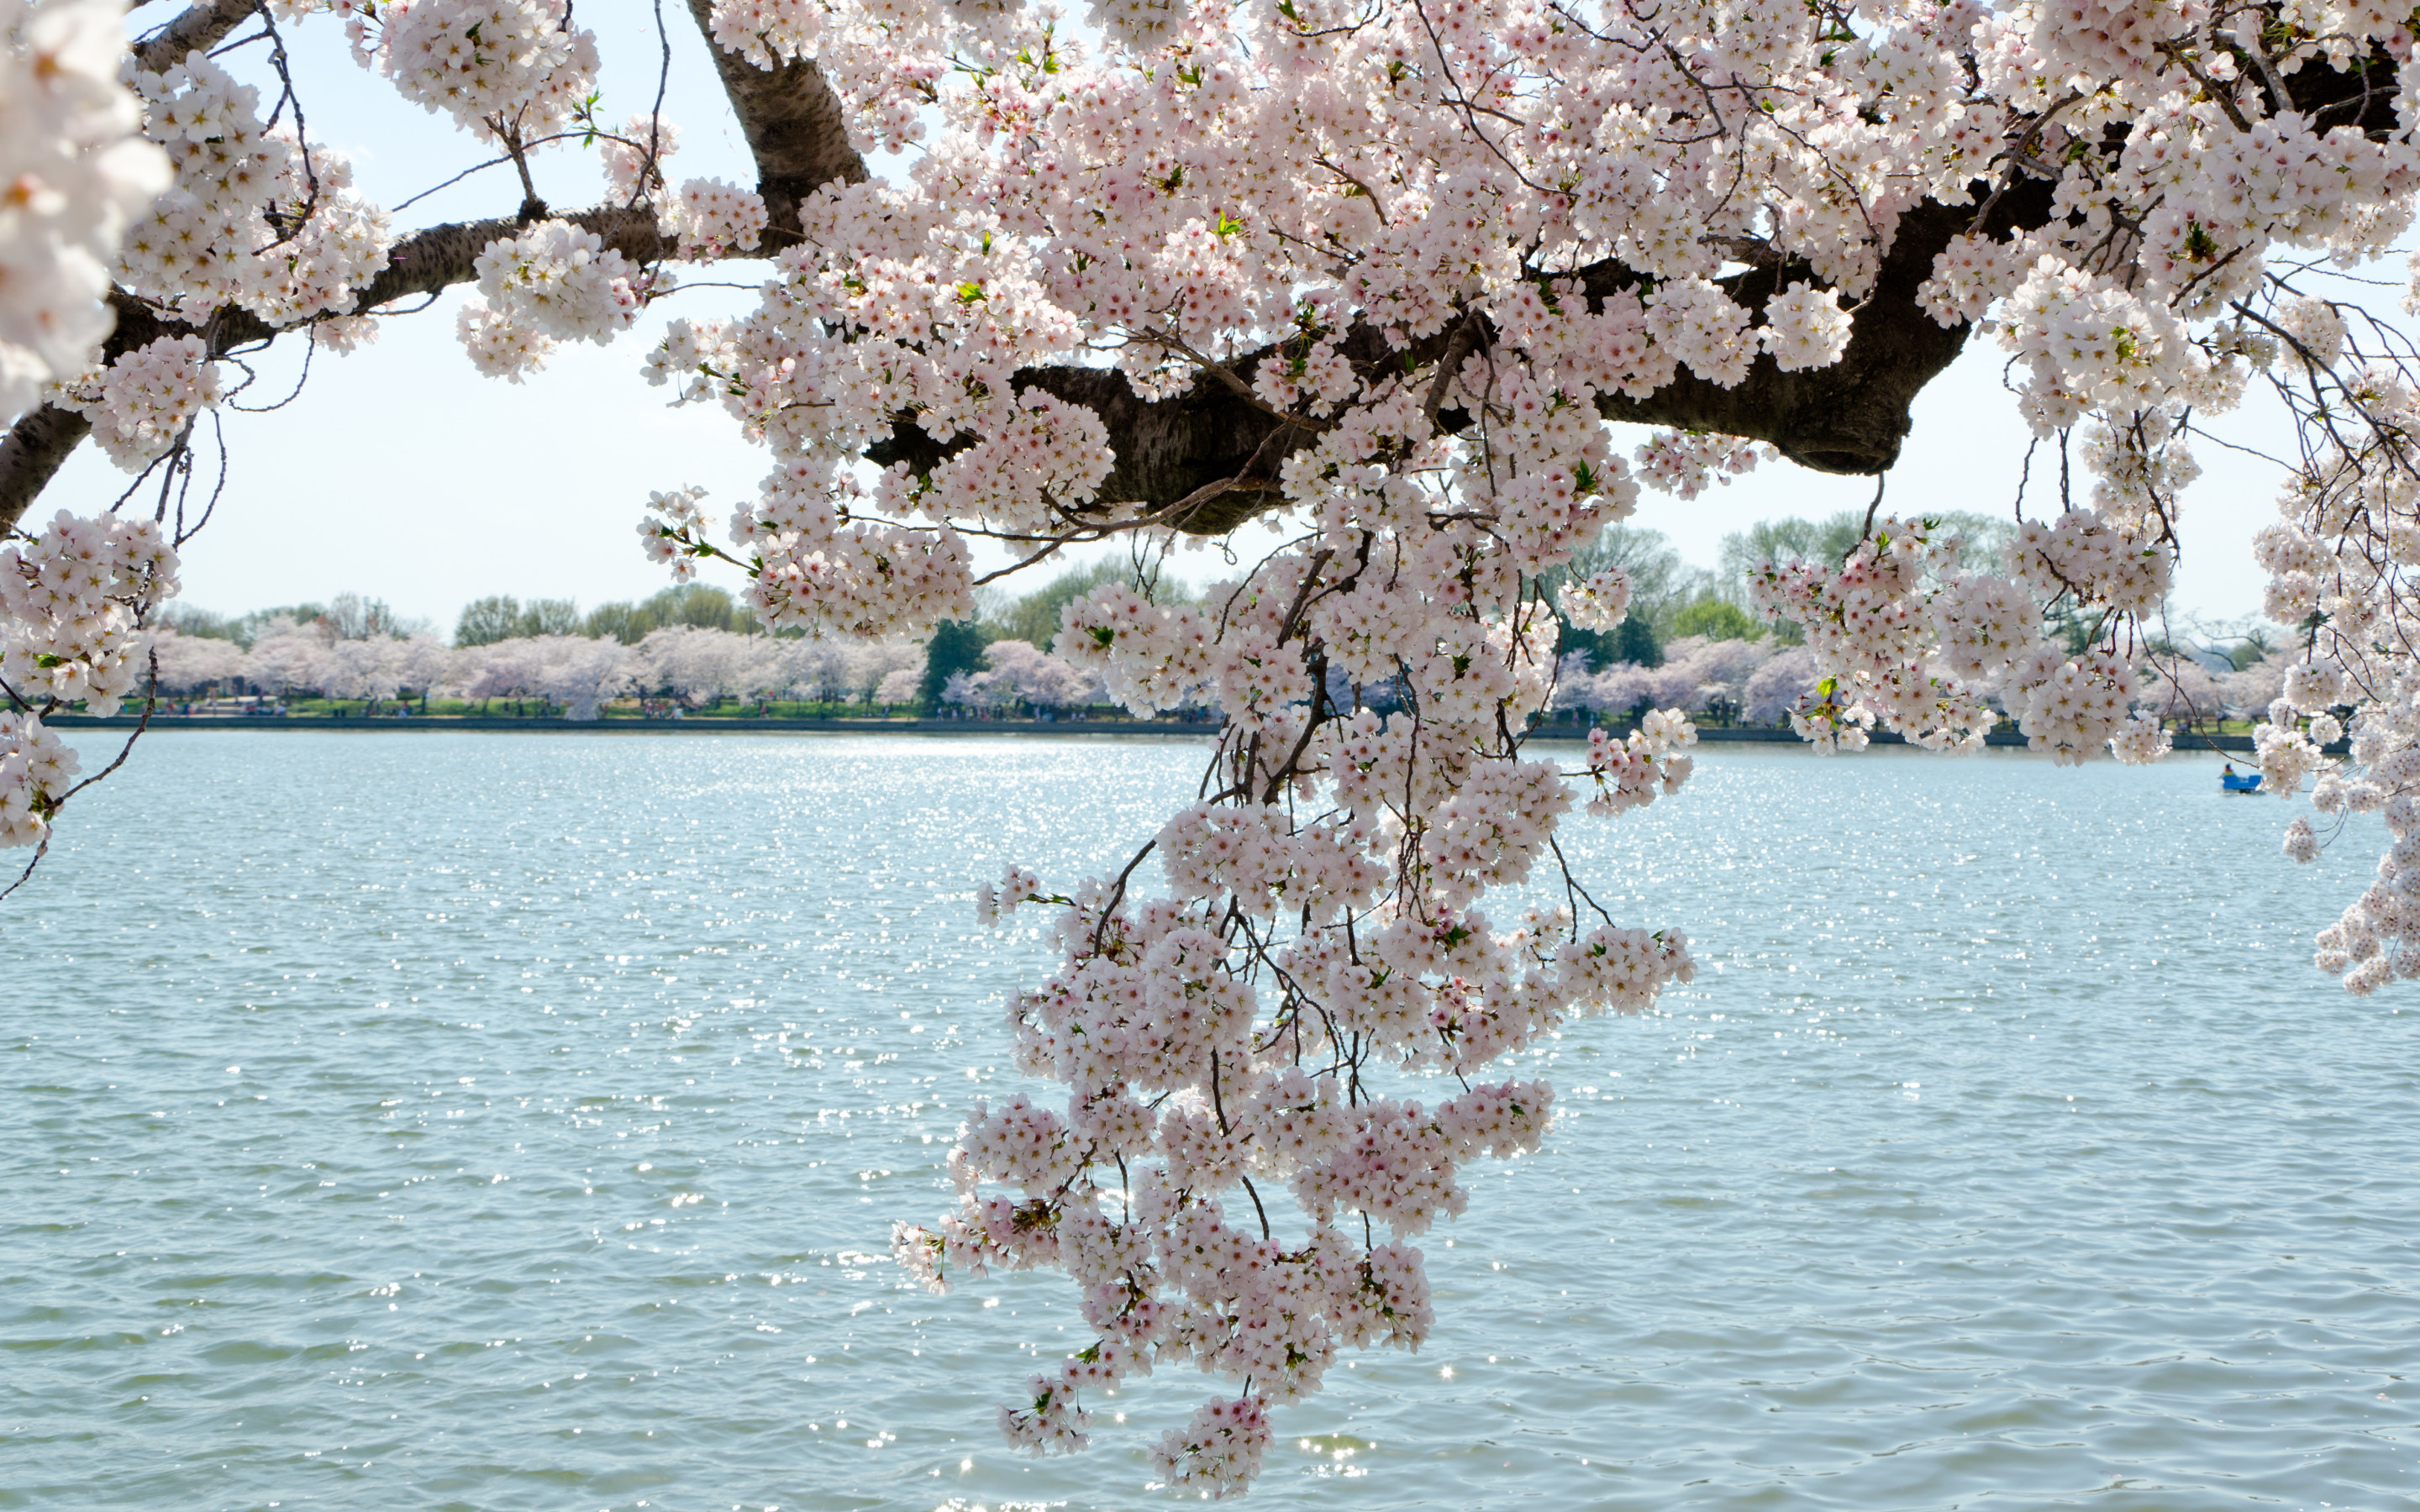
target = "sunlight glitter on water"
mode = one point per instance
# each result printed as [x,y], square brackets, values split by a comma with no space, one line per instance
[489,1121]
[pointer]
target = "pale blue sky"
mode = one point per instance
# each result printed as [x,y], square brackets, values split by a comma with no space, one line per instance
[401,475]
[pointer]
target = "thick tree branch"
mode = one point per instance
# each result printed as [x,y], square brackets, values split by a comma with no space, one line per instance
[36,447]
[1852,416]
[1849,418]
[794,126]
[201,27]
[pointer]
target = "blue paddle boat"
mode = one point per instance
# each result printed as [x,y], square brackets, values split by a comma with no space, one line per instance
[2232,782]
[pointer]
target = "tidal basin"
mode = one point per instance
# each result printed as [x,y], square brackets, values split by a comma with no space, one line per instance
[517,1121]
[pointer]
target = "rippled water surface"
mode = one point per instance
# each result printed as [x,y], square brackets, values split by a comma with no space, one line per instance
[447,1122]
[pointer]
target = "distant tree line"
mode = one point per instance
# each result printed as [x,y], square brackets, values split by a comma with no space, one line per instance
[697,605]
[344,617]
[1003,658]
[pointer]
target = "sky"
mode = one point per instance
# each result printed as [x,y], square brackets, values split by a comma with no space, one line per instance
[400,474]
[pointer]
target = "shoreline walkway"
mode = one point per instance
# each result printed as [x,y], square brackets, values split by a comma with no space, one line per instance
[1715,735]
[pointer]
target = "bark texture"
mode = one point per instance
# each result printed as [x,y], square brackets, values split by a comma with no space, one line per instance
[794,130]
[198,28]
[1852,416]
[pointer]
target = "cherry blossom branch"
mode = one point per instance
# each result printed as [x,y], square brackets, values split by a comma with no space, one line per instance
[199,28]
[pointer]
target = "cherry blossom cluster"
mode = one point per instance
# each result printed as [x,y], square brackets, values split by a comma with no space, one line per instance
[711,218]
[823,568]
[1805,327]
[2339,562]
[510,69]
[253,218]
[554,282]
[72,602]
[1223,1041]
[2083,552]
[1631,772]
[2071,707]
[77,172]
[1866,620]
[671,531]
[1686,463]
[141,404]
[34,772]
[1904,638]
[1219,1449]
[700,354]
[634,161]
[1600,601]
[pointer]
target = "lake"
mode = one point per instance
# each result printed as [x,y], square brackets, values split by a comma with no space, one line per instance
[449,1120]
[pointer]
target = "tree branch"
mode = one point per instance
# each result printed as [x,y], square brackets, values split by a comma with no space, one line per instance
[201,27]
[428,262]
[1849,418]
[1211,447]
[1852,416]
[796,129]
[794,126]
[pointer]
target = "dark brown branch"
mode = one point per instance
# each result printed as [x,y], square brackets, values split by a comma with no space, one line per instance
[1849,418]
[795,127]
[36,447]
[201,27]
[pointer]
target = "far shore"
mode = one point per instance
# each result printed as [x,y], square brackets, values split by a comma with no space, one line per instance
[1162,729]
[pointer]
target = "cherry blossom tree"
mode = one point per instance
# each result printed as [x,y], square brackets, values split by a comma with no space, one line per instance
[815,670]
[573,672]
[286,655]
[1785,682]
[363,669]
[1024,673]
[1697,674]
[873,666]
[1385,276]
[837,671]
[2249,691]
[189,663]
[901,685]
[700,666]
[423,664]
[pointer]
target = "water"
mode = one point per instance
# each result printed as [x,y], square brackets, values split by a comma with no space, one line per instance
[461,1122]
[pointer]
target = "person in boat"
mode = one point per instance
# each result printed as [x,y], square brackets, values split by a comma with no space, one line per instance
[2227,769]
